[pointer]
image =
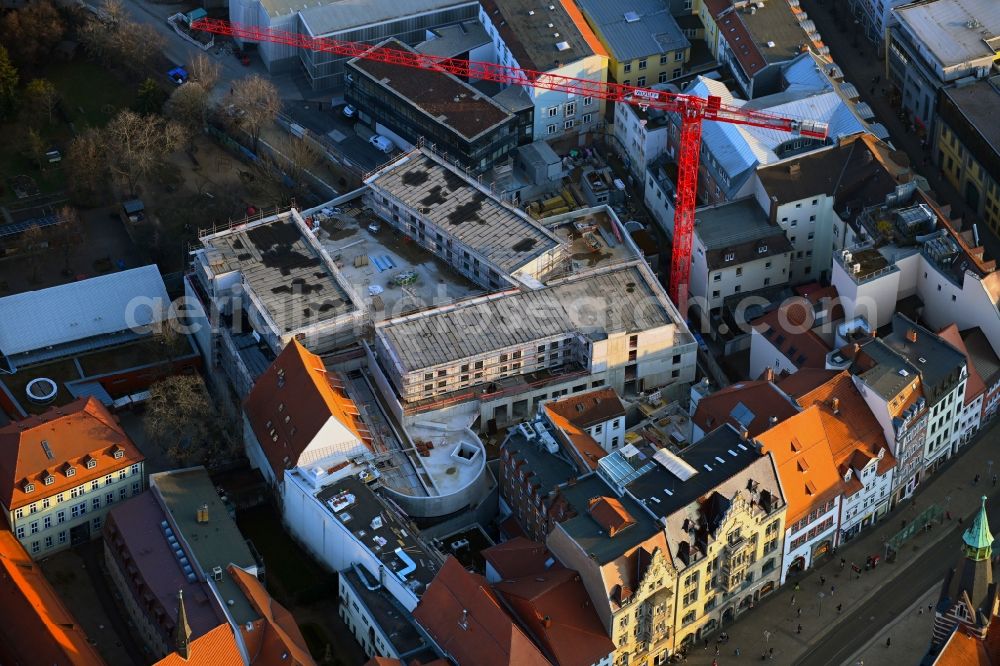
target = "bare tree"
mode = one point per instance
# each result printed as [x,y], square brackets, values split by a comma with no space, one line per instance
[31,32]
[86,165]
[137,144]
[179,417]
[205,71]
[30,244]
[34,148]
[258,101]
[67,234]
[117,40]
[43,96]
[188,105]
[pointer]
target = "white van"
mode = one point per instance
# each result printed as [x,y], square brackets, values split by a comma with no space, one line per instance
[382,143]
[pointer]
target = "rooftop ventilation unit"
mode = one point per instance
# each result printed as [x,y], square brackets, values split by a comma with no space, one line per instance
[562,46]
[631,17]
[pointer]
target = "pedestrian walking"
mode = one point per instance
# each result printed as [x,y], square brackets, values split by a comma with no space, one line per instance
[770,653]
[832,587]
[798,613]
[706,644]
[793,599]
[994,479]
[843,562]
[888,641]
[822,580]
[716,649]
[975,479]
[799,629]
[736,652]
[840,607]
[797,588]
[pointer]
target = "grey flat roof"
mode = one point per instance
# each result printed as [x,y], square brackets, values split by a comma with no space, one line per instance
[524,27]
[359,517]
[549,470]
[979,102]
[332,16]
[217,543]
[391,618]
[591,537]
[648,30]
[595,304]
[505,237]
[954,31]
[775,23]
[292,280]
[885,378]
[454,40]
[445,98]
[733,223]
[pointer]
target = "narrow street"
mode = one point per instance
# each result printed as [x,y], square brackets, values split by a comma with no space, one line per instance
[861,63]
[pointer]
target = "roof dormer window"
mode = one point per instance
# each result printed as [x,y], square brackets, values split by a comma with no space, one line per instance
[91,463]
[847,475]
[29,487]
[119,454]
[730,256]
[48,479]
[70,470]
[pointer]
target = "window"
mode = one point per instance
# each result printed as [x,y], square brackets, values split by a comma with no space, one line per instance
[95,484]
[19,513]
[46,522]
[91,464]
[35,547]
[48,542]
[553,111]
[121,474]
[627,68]
[715,294]
[61,517]
[570,108]
[62,537]
[78,510]
[588,118]
[34,527]
[717,277]
[568,125]
[136,487]
[812,218]
[739,270]
[627,82]
[30,487]
[662,78]
[550,129]
[678,56]
[641,81]
[122,493]
[20,531]
[676,73]
[109,498]
[730,256]
[95,503]
[49,480]
[642,64]
[663,59]
[587,101]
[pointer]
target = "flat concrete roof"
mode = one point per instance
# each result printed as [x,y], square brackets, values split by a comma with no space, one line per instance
[524,26]
[347,240]
[954,31]
[443,97]
[590,238]
[332,16]
[216,543]
[502,235]
[450,41]
[294,283]
[619,299]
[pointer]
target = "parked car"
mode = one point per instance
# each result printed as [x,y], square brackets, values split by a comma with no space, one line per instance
[382,143]
[349,111]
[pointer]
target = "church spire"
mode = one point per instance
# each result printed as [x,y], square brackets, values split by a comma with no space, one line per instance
[978,540]
[182,635]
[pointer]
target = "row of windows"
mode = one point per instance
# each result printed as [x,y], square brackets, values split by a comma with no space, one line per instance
[95,484]
[75,511]
[813,532]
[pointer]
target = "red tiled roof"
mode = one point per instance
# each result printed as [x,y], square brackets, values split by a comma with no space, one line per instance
[71,433]
[275,638]
[609,513]
[465,618]
[218,647]
[974,384]
[788,329]
[556,609]
[741,42]
[588,409]
[37,628]
[761,397]
[805,380]
[517,557]
[297,397]
[825,296]
[963,649]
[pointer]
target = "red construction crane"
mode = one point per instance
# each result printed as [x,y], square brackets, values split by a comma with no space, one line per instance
[691,109]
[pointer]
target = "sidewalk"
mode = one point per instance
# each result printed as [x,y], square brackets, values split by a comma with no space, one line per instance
[777,618]
[910,636]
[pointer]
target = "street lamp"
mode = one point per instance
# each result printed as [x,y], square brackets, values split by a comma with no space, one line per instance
[767,637]
[821,595]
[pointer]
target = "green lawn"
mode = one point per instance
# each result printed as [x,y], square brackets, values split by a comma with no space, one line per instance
[91,95]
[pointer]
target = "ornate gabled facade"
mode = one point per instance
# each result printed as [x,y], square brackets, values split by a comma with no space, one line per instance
[968,598]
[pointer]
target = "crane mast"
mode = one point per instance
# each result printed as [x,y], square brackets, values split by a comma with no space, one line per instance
[692,110]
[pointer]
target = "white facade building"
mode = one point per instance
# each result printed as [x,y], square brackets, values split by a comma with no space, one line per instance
[547,38]
[642,134]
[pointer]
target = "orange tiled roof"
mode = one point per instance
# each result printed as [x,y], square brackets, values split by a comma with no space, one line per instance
[297,396]
[276,633]
[610,514]
[465,618]
[974,384]
[555,607]
[804,461]
[80,431]
[217,647]
[37,628]
[585,447]
[805,380]
[962,649]
[581,24]
[588,409]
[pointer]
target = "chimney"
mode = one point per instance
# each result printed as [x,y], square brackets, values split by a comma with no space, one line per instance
[794,168]
[202,516]
[835,404]
[856,348]
[464,622]
[182,635]
[547,622]
[911,335]
[769,374]
[744,434]
[773,421]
